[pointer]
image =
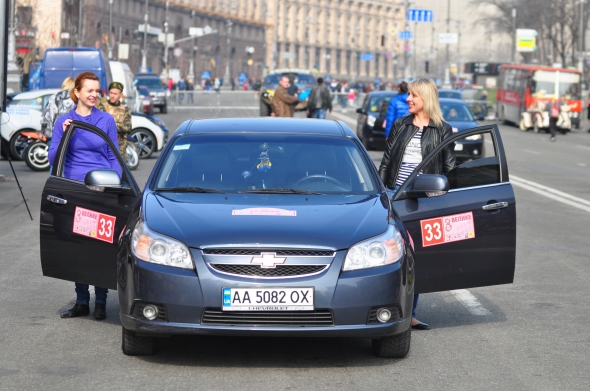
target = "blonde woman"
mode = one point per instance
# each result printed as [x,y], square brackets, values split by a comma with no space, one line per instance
[411,139]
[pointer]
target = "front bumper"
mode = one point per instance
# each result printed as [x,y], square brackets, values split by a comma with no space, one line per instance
[186,294]
[159,101]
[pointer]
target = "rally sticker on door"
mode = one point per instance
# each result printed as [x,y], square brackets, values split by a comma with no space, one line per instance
[446,229]
[94,224]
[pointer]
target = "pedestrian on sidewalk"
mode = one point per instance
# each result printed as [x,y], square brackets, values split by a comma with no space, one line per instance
[319,101]
[190,88]
[553,109]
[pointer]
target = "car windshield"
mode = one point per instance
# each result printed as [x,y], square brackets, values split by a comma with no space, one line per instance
[150,83]
[378,104]
[456,112]
[265,163]
[297,77]
[35,103]
[450,94]
[143,91]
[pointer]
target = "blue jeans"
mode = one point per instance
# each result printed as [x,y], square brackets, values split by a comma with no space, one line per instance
[318,113]
[83,295]
[416,296]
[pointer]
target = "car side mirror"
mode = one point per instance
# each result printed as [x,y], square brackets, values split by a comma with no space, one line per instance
[105,181]
[427,185]
[360,111]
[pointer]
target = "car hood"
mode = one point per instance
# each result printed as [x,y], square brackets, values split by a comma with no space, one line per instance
[200,220]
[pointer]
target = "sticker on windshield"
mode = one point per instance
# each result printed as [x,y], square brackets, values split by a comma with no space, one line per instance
[264,212]
[94,224]
[181,147]
[447,229]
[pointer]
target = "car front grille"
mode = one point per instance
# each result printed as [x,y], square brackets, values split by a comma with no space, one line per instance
[258,251]
[278,271]
[215,316]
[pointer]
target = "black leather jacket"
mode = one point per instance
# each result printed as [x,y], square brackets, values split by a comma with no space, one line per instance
[400,135]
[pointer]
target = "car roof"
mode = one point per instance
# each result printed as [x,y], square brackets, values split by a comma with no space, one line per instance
[451,100]
[35,94]
[266,125]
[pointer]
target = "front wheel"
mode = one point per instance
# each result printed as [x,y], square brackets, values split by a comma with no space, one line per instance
[133,345]
[18,143]
[35,156]
[396,346]
[132,160]
[145,142]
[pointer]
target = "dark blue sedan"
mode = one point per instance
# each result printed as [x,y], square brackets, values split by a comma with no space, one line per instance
[458,114]
[276,227]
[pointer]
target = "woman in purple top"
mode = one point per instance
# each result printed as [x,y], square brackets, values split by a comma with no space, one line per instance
[86,152]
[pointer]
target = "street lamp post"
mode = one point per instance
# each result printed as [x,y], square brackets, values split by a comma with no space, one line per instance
[447,81]
[191,67]
[79,37]
[144,50]
[166,44]
[110,43]
[581,39]
[229,24]
[513,32]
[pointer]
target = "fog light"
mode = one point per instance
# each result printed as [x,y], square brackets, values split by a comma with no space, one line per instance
[383,315]
[475,152]
[150,312]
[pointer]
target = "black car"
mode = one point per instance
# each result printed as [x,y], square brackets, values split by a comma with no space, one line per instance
[370,120]
[157,90]
[277,227]
[458,114]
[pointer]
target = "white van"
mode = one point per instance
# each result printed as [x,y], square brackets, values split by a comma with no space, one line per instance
[122,73]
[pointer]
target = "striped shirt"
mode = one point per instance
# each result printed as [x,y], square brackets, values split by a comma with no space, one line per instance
[412,158]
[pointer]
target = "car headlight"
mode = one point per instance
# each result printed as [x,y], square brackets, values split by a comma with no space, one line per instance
[150,246]
[474,137]
[161,93]
[371,120]
[381,250]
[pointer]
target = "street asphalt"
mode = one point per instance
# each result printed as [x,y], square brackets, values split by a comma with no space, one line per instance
[529,335]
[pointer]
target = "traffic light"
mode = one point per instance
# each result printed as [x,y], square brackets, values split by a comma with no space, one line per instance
[426,66]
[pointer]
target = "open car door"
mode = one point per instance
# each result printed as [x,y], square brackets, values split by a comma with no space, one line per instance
[466,237]
[80,225]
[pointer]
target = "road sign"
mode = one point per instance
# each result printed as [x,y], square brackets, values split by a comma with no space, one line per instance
[418,15]
[195,31]
[392,31]
[405,35]
[367,56]
[526,40]
[451,38]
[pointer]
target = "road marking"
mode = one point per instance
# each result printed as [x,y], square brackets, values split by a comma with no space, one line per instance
[549,192]
[583,147]
[344,118]
[470,302]
[582,164]
[533,152]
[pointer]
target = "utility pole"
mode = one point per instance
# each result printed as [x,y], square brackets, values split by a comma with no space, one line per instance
[581,43]
[166,44]
[80,36]
[227,76]
[110,43]
[513,32]
[447,81]
[144,50]
[14,74]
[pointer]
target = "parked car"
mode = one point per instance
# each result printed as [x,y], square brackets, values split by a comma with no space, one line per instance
[458,114]
[147,102]
[147,134]
[304,80]
[157,90]
[277,227]
[370,119]
[23,114]
[59,63]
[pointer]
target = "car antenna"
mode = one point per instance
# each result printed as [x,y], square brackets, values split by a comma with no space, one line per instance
[3,81]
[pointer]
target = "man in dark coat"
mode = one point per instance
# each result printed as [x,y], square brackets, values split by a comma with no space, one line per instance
[319,101]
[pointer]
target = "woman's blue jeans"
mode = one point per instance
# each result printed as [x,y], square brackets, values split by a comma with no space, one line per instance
[83,294]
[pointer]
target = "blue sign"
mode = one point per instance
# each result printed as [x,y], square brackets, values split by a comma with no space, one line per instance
[206,75]
[405,35]
[366,56]
[417,15]
[378,80]
[242,77]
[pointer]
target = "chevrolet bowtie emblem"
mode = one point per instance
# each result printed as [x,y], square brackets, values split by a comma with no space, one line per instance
[268,260]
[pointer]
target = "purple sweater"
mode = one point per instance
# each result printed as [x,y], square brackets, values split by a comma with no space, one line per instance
[86,151]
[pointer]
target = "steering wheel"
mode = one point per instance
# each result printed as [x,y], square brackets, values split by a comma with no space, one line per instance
[318,176]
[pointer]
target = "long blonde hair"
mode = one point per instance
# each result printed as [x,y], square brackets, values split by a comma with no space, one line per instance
[426,89]
[68,83]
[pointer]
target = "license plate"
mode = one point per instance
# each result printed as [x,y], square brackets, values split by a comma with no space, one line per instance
[458,147]
[267,299]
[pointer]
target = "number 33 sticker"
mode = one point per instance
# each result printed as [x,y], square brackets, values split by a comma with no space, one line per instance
[446,229]
[94,224]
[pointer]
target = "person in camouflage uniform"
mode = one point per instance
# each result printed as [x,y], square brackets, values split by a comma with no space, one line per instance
[120,112]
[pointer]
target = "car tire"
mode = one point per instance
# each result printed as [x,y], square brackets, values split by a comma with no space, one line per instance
[396,346]
[264,109]
[164,109]
[35,156]
[145,141]
[18,143]
[134,345]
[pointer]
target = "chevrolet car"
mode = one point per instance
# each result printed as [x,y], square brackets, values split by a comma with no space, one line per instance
[277,228]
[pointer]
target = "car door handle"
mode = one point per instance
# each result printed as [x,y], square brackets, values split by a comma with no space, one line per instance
[56,200]
[494,206]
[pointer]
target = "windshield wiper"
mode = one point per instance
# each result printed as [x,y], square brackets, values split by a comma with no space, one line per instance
[187,189]
[280,190]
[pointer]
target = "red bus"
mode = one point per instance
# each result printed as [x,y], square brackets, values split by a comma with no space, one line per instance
[520,87]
